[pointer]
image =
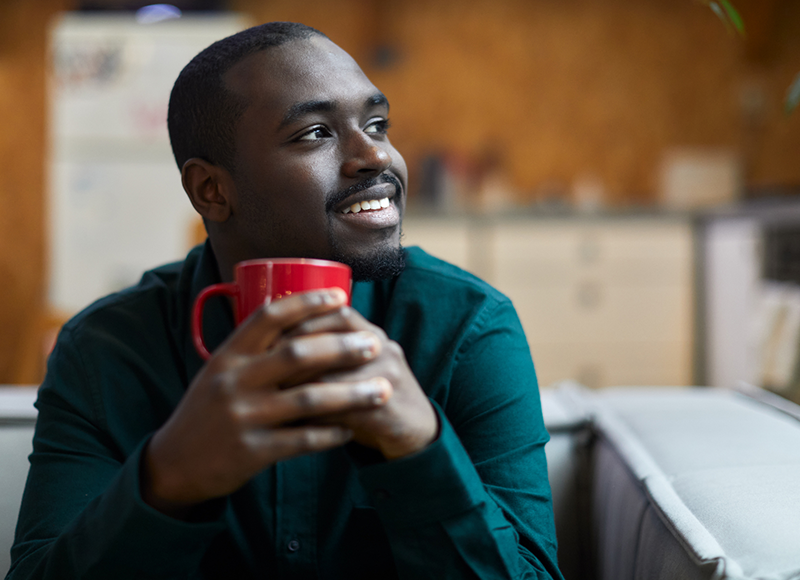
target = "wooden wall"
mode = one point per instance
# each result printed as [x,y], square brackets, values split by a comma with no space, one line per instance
[564,90]
[558,89]
[23,34]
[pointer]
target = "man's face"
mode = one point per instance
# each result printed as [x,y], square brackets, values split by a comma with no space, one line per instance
[311,145]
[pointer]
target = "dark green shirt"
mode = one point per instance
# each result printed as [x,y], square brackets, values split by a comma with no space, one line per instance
[474,504]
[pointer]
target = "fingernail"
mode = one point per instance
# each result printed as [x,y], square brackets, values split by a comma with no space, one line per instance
[364,341]
[376,390]
[334,296]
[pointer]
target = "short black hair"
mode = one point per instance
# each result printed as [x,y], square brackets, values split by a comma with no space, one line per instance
[202,113]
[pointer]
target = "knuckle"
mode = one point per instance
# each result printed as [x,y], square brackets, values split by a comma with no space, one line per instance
[309,440]
[265,313]
[266,316]
[306,398]
[394,348]
[294,351]
[312,298]
[223,385]
[346,313]
[252,439]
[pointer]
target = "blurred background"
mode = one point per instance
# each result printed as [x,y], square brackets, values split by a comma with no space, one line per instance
[625,170]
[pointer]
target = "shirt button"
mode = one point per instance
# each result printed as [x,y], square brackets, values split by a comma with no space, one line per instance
[293,546]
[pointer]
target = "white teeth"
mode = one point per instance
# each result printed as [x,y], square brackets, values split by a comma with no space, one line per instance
[372,204]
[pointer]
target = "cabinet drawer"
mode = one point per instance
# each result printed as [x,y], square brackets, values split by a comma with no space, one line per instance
[602,313]
[614,362]
[546,253]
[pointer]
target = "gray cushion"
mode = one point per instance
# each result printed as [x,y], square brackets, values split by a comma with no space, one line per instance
[567,467]
[17,420]
[722,476]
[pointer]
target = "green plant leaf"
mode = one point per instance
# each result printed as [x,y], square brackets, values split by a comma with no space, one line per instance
[792,96]
[728,14]
[734,16]
[721,14]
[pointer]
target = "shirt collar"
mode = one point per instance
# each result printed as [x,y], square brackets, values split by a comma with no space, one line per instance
[201,271]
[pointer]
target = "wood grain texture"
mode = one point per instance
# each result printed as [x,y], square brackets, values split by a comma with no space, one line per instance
[566,89]
[23,41]
[560,89]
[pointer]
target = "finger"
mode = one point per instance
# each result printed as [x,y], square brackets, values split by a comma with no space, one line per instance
[311,401]
[277,444]
[263,327]
[298,359]
[342,319]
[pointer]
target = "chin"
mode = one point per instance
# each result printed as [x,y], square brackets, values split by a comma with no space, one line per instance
[380,264]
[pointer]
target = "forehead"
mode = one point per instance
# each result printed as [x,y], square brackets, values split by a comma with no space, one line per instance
[312,69]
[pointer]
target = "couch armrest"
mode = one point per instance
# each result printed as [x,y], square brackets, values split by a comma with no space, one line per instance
[567,452]
[694,483]
[17,421]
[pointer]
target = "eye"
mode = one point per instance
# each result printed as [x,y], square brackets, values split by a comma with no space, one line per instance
[314,134]
[377,127]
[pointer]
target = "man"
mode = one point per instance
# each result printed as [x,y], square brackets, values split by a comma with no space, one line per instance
[399,438]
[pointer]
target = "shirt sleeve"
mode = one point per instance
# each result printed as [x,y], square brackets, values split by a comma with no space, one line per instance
[476,503]
[82,515]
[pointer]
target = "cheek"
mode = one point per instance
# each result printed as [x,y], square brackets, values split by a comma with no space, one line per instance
[399,165]
[312,173]
[321,171]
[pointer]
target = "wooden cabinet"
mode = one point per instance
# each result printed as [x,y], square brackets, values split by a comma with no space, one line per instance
[603,300]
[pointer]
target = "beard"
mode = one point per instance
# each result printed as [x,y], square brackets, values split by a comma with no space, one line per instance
[381,264]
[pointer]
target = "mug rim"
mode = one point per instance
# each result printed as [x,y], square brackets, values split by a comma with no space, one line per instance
[309,261]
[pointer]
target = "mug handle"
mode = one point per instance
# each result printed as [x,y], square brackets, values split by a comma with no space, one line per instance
[197,314]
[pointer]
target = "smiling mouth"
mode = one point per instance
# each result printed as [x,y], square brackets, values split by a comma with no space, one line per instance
[367,205]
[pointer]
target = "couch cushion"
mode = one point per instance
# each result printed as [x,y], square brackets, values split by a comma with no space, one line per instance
[17,420]
[720,475]
[567,467]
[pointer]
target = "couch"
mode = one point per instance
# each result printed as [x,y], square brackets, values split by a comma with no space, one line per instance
[674,483]
[648,483]
[17,419]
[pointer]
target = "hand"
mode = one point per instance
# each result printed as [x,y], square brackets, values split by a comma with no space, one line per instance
[407,422]
[235,420]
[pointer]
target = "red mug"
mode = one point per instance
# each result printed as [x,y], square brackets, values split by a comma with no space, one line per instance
[262,281]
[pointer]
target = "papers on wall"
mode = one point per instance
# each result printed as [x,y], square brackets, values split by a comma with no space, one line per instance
[116,202]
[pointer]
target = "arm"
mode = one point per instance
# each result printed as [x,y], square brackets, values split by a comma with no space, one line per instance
[82,510]
[95,508]
[475,503]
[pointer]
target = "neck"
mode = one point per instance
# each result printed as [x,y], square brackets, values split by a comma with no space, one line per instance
[226,261]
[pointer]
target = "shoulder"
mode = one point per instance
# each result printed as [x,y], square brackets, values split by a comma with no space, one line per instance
[154,307]
[151,295]
[438,280]
[117,342]
[452,297]
[435,309]
[451,325]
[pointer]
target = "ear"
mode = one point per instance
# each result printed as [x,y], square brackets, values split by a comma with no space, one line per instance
[209,187]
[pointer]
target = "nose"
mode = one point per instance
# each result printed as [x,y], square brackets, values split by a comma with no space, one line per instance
[364,155]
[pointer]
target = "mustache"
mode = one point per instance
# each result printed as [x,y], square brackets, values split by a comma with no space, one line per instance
[339,197]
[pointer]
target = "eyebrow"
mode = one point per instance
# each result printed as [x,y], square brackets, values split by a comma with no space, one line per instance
[299,110]
[377,100]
